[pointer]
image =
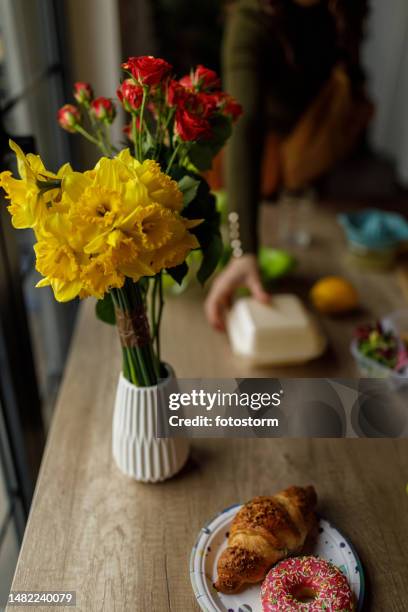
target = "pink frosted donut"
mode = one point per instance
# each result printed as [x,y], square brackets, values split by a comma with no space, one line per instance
[306,584]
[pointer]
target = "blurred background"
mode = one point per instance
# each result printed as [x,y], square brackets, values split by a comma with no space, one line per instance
[46,45]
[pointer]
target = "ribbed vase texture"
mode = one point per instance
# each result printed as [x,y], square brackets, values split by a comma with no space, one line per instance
[137,452]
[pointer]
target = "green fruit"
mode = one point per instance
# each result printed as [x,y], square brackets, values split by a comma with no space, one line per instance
[275,263]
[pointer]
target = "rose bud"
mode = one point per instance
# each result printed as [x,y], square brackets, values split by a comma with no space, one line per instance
[187,81]
[69,117]
[130,95]
[103,109]
[228,106]
[202,79]
[83,93]
[148,70]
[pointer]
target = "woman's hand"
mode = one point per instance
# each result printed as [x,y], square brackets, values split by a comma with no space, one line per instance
[240,272]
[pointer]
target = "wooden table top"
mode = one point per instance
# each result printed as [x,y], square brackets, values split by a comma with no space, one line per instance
[125,546]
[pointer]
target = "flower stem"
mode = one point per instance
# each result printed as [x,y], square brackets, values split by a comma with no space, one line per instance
[134,136]
[108,140]
[98,142]
[140,364]
[170,116]
[164,125]
[141,118]
[129,370]
[173,157]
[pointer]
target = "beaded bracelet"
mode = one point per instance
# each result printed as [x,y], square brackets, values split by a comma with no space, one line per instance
[236,243]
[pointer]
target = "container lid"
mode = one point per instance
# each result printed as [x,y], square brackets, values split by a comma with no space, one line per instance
[281,332]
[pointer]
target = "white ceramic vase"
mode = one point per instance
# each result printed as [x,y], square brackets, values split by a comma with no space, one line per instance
[137,452]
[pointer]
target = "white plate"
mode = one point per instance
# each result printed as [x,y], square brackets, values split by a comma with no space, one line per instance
[330,545]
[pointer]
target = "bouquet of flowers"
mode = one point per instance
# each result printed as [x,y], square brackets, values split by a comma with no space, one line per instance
[112,232]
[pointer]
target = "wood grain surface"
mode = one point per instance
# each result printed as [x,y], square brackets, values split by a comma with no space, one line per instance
[124,546]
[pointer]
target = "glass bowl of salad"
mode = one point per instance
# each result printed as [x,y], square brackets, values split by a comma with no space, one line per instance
[381,349]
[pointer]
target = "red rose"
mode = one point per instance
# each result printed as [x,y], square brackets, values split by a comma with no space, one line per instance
[187,81]
[83,93]
[190,126]
[206,79]
[130,95]
[69,117]
[229,106]
[148,70]
[204,104]
[103,109]
[233,108]
[202,79]
[176,93]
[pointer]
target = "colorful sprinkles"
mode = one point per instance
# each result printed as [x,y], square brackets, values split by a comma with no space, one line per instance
[312,575]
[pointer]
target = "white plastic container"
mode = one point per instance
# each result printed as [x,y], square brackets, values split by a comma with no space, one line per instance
[137,452]
[280,333]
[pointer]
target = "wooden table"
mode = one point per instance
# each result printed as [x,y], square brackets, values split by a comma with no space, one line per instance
[125,546]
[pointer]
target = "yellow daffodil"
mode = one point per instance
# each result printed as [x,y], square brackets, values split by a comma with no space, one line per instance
[121,219]
[161,187]
[100,275]
[173,253]
[29,198]
[59,256]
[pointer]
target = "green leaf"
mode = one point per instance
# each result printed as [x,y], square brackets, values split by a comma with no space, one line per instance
[205,232]
[178,272]
[189,187]
[201,156]
[204,201]
[203,207]
[148,146]
[211,256]
[105,310]
[202,153]
[176,172]
[221,129]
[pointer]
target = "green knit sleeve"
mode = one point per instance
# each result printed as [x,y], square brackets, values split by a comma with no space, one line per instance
[242,71]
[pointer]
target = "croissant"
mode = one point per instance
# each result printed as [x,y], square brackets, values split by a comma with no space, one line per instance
[264,531]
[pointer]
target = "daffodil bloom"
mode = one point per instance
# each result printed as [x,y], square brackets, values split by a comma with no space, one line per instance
[33,192]
[59,256]
[162,189]
[121,219]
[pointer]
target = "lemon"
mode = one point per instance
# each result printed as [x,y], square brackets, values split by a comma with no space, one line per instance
[334,295]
